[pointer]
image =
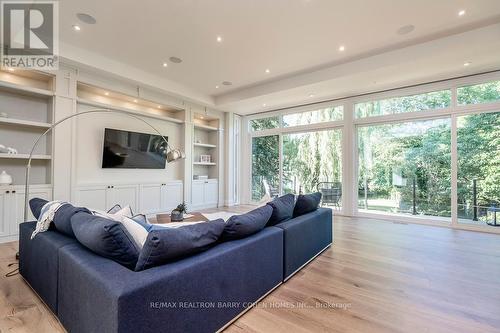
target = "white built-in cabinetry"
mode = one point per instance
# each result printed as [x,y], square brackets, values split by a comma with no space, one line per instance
[143,198]
[205,193]
[12,207]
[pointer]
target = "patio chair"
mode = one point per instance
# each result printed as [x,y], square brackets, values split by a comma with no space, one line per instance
[331,193]
[272,192]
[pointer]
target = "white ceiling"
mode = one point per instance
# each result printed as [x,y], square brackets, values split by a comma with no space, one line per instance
[298,40]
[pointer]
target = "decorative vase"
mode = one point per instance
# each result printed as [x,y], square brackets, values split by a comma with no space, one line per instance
[5,178]
[176,216]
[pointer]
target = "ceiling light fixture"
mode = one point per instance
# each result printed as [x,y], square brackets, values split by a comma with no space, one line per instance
[216,87]
[311,95]
[175,60]
[201,117]
[159,106]
[467,63]
[341,48]
[219,39]
[135,101]
[106,93]
[165,64]
[461,13]
[76,27]
[406,29]
[264,105]
[86,18]
[268,71]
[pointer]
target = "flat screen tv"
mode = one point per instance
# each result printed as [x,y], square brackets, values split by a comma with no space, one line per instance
[132,150]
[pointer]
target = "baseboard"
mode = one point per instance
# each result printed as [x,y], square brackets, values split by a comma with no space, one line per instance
[247,309]
[305,264]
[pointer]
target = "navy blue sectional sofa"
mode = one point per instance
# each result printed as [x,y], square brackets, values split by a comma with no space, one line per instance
[201,293]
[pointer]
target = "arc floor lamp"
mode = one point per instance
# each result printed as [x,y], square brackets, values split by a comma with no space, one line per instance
[172,155]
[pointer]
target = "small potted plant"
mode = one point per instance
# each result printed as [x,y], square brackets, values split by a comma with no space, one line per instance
[177,214]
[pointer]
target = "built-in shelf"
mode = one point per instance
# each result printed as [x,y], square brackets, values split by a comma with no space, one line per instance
[205,163]
[24,123]
[132,111]
[205,127]
[26,90]
[25,156]
[206,145]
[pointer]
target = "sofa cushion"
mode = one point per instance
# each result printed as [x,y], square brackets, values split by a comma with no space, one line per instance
[143,221]
[106,237]
[240,226]
[167,244]
[282,209]
[62,218]
[36,205]
[306,203]
[137,231]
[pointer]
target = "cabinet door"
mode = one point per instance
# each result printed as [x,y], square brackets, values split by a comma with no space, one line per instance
[172,196]
[18,206]
[211,193]
[197,193]
[92,197]
[150,198]
[4,213]
[124,195]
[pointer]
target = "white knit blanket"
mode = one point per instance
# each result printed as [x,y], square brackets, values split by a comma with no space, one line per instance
[47,216]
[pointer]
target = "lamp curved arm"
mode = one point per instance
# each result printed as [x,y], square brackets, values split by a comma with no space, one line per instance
[28,166]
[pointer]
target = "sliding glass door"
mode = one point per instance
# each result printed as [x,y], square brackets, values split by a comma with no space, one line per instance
[478,151]
[265,167]
[405,168]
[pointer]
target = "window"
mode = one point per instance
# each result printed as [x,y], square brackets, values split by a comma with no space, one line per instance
[427,101]
[264,123]
[312,162]
[479,93]
[478,148]
[313,117]
[265,167]
[406,168]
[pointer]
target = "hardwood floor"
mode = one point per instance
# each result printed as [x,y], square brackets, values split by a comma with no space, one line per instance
[377,277]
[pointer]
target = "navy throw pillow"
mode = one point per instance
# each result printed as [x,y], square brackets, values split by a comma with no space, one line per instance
[62,218]
[282,209]
[107,238]
[306,203]
[36,205]
[168,244]
[240,226]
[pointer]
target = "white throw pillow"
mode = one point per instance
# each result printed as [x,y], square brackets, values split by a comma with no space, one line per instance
[118,215]
[137,231]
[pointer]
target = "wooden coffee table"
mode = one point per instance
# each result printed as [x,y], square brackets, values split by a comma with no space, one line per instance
[165,218]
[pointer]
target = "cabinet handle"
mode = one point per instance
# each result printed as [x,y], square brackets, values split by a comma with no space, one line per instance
[13,191]
[7,191]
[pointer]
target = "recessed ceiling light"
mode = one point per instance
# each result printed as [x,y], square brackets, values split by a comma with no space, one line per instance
[76,27]
[219,39]
[341,48]
[264,105]
[175,60]
[268,71]
[227,83]
[86,18]
[467,63]
[106,93]
[135,101]
[165,64]
[311,95]
[201,117]
[216,87]
[461,13]
[406,29]
[159,106]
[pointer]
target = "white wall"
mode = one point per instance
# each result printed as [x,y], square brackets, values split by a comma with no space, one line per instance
[89,144]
